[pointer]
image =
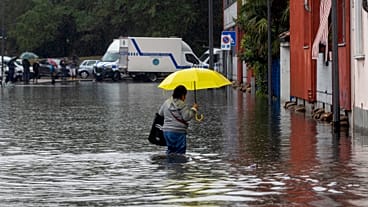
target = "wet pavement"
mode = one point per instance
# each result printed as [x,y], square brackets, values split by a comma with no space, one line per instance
[85,144]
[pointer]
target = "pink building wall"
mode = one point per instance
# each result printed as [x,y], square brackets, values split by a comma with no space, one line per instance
[359,64]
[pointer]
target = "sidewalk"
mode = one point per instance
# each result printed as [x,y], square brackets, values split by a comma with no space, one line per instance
[46,81]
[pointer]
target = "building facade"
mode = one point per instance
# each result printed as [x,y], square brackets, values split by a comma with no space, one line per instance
[236,69]
[306,74]
[311,53]
[359,63]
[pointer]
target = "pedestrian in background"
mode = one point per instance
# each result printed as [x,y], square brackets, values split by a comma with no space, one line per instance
[36,71]
[63,68]
[74,67]
[176,115]
[26,70]
[52,73]
[11,72]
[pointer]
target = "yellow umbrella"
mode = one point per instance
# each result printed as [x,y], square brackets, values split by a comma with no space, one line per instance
[194,79]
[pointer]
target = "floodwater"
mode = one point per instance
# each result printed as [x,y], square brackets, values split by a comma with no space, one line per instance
[85,144]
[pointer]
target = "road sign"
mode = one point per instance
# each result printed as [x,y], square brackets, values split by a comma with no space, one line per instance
[232,35]
[225,42]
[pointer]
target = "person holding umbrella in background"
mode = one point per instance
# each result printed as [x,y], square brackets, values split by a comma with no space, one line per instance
[176,115]
[11,71]
[36,71]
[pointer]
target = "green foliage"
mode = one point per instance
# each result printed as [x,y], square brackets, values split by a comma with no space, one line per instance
[253,21]
[28,27]
[84,27]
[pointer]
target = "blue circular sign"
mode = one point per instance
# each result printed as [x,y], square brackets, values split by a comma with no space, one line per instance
[155,61]
[225,39]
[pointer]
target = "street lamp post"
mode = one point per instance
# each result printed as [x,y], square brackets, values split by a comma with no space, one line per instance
[335,68]
[210,32]
[2,40]
[269,58]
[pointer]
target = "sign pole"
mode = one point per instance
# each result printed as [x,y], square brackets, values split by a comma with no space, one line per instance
[2,41]
[228,39]
[210,32]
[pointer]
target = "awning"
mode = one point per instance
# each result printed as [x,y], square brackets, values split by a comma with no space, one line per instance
[322,33]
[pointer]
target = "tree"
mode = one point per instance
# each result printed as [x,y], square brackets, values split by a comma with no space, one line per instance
[83,27]
[253,21]
[31,31]
[13,9]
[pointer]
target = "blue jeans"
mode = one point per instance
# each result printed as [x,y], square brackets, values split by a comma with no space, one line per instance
[176,142]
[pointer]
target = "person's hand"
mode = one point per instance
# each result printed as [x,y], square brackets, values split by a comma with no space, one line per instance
[195,105]
[198,116]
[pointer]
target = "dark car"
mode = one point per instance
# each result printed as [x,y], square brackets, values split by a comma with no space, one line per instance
[44,69]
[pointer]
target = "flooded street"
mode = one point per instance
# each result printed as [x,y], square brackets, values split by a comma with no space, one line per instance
[85,144]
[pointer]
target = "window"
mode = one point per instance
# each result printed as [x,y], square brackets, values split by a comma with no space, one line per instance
[341,10]
[358,27]
[216,58]
[228,3]
[190,58]
[365,5]
[91,62]
[110,57]
[204,57]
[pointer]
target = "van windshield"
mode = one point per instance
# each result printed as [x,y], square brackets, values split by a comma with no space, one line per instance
[204,57]
[192,59]
[110,57]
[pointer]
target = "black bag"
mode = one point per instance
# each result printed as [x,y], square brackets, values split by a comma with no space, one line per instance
[156,135]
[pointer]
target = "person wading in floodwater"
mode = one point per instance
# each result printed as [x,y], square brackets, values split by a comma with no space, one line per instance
[176,115]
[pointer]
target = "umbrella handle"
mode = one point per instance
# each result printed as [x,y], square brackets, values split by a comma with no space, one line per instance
[195,92]
[199,117]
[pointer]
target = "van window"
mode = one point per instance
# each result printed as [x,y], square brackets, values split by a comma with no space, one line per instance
[204,57]
[191,58]
[91,62]
[110,57]
[216,58]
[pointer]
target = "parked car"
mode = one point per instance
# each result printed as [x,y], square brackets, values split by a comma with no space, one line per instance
[85,69]
[18,73]
[4,70]
[45,65]
[6,60]
[19,70]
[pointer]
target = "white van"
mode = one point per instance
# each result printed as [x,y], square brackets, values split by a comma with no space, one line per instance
[145,58]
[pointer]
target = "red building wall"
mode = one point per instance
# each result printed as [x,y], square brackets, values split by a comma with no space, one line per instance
[303,28]
[344,54]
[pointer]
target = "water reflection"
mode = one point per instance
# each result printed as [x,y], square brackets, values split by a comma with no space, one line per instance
[86,145]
